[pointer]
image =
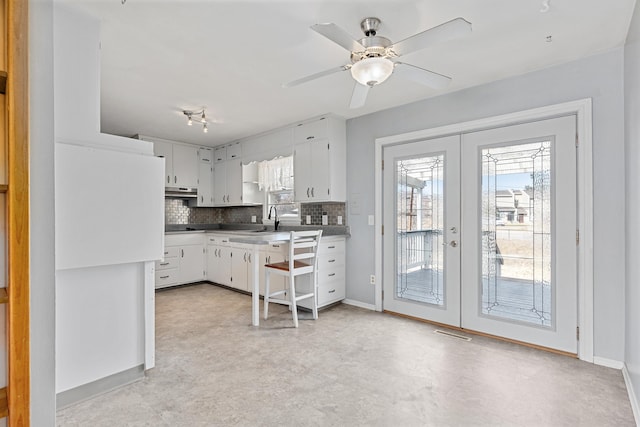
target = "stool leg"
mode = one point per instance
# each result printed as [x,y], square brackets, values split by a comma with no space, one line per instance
[266,293]
[294,305]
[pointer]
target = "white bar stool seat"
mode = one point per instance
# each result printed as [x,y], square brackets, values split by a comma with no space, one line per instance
[303,259]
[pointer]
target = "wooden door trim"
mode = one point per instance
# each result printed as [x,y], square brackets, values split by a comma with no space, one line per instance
[17,101]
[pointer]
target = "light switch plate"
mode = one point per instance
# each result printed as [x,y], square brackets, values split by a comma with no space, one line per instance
[339,219]
[325,220]
[372,220]
[308,219]
[253,218]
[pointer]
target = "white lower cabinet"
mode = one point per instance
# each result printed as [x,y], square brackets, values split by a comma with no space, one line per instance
[240,256]
[331,272]
[218,260]
[184,260]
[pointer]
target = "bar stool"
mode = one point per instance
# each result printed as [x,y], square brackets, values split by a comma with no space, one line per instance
[303,251]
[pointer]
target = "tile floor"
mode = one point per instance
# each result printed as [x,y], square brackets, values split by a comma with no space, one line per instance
[351,367]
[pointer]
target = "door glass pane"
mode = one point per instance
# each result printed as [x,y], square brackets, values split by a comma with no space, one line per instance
[516,232]
[419,226]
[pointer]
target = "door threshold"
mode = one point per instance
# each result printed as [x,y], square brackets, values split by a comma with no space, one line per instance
[483,334]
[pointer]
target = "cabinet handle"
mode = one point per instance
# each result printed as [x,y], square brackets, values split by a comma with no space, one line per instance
[249,257]
[168,179]
[331,274]
[164,263]
[233,156]
[164,277]
[245,257]
[332,260]
[206,160]
[175,179]
[201,199]
[182,250]
[331,247]
[166,252]
[275,246]
[310,137]
[312,195]
[332,291]
[307,191]
[269,259]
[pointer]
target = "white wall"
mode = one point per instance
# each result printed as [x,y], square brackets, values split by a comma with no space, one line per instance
[99,310]
[597,77]
[42,310]
[632,226]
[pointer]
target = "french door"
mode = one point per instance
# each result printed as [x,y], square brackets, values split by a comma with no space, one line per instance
[480,231]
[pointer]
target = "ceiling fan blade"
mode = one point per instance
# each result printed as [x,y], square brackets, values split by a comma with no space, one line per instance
[339,36]
[359,95]
[316,76]
[449,30]
[422,76]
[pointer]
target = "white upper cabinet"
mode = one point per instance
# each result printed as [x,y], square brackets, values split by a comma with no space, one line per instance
[205,177]
[165,150]
[319,160]
[181,162]
[185,166]
[310,131]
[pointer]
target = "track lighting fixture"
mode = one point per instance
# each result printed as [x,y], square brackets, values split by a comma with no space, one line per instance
[192,116]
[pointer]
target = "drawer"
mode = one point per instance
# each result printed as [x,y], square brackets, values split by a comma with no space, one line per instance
[166,277]
[311,131]
[171,252]
[330,262]
[167,263]
[330,293]
[331,275]
[217,239]
[331,247]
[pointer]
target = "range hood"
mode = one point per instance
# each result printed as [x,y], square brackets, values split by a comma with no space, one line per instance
[180,193]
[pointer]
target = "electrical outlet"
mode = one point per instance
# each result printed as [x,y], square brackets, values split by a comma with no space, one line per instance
[308,219]
[325,220]
[372,279]
[339,219]
[253,218]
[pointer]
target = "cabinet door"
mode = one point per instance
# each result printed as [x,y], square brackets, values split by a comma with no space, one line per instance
[276,253]
[311,131]
[302,172]
[220,154]
[191,263]
[234,151]
[239,268]
[223,266]
[205,155]
[185,166]
[220,183]
[165,150]
[212,263]
[205,183]
[320,170]
[234,182]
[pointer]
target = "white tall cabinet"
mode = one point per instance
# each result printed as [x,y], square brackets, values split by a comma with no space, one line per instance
[319,160]
[205,177]
[227,175]
[181,161]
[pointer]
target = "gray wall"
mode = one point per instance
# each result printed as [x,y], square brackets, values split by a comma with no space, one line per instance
[598,77]
[632,226]
[43,403]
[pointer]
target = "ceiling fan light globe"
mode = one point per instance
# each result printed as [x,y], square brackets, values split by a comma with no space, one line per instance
[372,71]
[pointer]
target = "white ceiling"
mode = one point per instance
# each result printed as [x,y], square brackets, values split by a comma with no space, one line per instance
[232,56]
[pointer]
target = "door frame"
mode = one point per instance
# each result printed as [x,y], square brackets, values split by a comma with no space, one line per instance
[583,110]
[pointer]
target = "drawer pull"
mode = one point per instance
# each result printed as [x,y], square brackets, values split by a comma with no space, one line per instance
[331,247]
[332,260]
[164,263]
[275,246]
[331,274]
[332,291]
[164,277]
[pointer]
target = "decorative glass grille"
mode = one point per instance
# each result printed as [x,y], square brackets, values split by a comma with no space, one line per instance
[516,232]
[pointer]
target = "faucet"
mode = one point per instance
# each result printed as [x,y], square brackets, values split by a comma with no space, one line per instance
[275,217]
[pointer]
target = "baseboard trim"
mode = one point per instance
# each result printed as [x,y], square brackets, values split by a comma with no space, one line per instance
[632,394]
[609,363]
[359,304]
[101,386]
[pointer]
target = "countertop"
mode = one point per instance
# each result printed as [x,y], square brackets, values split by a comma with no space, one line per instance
[252,229]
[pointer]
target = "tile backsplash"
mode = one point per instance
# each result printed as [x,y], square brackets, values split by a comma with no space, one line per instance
[178,211]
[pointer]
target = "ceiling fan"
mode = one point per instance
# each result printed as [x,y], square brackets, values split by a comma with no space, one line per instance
[373,58]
